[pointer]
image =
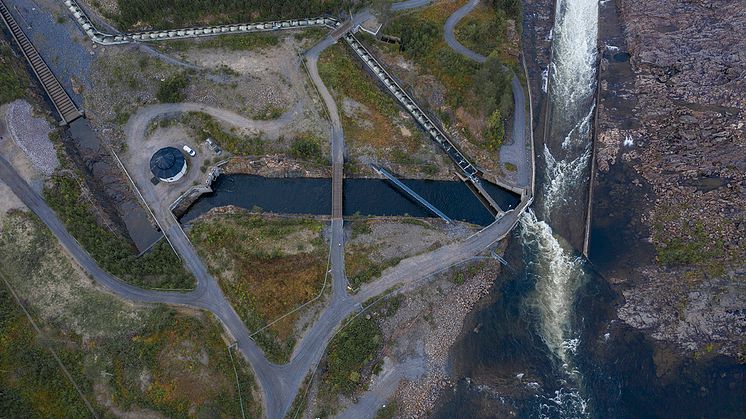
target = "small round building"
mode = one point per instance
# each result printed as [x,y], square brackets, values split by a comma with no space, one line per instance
[168,164]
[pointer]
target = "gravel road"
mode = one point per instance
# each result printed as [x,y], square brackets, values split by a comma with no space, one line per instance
[514,151]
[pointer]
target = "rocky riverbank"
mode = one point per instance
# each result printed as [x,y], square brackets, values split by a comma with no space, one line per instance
[672,109]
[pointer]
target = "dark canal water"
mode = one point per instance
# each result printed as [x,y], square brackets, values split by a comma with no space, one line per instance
[361,196]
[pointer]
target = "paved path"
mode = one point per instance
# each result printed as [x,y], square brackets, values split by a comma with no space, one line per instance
[409,4]
[516,150]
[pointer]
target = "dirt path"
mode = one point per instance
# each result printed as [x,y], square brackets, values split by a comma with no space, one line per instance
[515,151]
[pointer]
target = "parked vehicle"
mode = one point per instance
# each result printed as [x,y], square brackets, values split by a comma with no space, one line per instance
[189,151]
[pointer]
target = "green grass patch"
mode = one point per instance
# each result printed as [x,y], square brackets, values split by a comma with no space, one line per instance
[344,74]
[204,125]
[168,14]
[159,268]
[235,42]
[172,89]
[307,148]
[389,411]
[13,77]
[359,266]
[351,357]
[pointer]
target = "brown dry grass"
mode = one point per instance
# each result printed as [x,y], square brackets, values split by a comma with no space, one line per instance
[267,266]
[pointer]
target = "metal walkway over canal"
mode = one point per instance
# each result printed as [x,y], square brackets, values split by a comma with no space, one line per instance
[412,193]
[57,94]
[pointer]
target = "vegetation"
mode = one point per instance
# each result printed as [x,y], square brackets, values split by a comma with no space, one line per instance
[484,29]
[172,90]
[423,41]
[187,366]
[204,125]
[367,117]
[267,266]
[389,411]
[359,266]
[134,357]
[694,250]
[354,354]
[351,356]
[307,148]
[31,381]
[482,90]
[159,268]
[13,78]
[235,42]
[167,14]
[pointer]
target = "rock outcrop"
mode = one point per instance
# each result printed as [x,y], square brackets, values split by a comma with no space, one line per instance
[679,120]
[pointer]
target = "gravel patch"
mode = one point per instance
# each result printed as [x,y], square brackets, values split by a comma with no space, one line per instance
[31,134]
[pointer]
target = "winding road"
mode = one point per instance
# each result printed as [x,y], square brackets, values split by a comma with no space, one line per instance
[279,383]
[514,151]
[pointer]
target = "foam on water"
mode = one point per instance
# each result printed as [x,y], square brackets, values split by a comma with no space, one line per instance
[558,275]
[562,178]
[574,56]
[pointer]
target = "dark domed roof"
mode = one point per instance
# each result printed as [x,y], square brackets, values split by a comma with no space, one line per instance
[167,162]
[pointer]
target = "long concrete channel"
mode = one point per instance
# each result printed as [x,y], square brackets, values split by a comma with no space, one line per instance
[470,172]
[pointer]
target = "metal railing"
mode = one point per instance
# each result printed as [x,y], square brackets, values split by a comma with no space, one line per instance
[195,32]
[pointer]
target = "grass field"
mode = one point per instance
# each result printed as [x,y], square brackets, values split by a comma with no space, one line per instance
[123,356]
[13,78]
[266,266]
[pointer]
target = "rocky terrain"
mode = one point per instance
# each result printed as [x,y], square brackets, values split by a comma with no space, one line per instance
[678,121]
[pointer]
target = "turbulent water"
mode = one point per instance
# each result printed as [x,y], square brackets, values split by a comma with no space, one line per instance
[555,267]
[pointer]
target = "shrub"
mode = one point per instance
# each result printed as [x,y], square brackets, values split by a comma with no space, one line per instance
[172,90]
[306,148]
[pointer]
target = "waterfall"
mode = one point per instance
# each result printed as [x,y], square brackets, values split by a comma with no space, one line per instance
[556,268]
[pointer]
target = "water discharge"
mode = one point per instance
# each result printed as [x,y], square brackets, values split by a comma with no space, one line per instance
[554,265]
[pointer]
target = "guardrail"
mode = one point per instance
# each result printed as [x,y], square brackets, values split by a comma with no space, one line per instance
[161,35]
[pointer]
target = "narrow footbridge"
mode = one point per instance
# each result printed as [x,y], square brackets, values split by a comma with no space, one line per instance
[162,35]
[412,193]
[57,94]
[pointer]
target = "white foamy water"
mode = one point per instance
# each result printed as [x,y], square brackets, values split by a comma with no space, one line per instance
[556,268]
[574,56]
[558,275]
[563,177]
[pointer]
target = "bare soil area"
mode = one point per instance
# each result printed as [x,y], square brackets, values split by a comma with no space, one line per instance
[374,244]
[258,84]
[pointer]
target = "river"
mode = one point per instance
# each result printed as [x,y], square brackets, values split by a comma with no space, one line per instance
[546,342]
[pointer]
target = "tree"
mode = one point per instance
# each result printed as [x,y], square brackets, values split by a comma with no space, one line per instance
[495,130]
